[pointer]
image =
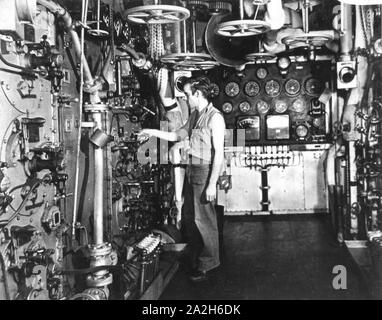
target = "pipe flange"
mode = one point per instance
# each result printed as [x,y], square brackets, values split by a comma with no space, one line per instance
[219,7]
[156,14]
[242,28]
[93,280]
[260,56]
[313,38]
[102,249]
[96,107]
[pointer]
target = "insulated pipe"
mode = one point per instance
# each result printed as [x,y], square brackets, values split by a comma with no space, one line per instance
[98,185]
[346,37]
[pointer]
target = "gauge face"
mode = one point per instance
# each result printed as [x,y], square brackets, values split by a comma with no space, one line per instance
[301,131]
[272,88]
[313,86]
[247,123]
[118,24]
[261,73]
[292,87]
[244,106]
[283,63]
[299,105]
[232,89]
[126,31]
[215,90]
[281,106]
[227,107]
[317,122]
[252,88]
[262,106]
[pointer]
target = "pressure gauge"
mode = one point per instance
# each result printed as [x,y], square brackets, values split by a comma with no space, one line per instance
[262,106]
[227,107]
[317,122]
[301,131]
[215,90]
[118,25]
[261,73]
[244,106]
[252,88]
[313,86]
[272,88]
[299,105]
[126,31]
[281,106]
[292,87]
[232,89]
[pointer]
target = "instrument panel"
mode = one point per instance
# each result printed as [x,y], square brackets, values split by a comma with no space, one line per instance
[275,108]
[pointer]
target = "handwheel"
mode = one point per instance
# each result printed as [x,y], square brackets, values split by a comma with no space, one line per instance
[313,38]
[219,7]
[156,14]
[189,61]
[242,28]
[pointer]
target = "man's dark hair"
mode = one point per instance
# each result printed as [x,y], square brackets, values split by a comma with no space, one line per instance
[203,84]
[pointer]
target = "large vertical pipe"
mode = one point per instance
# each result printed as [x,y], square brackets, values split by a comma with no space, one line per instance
[346,37]
[98,185]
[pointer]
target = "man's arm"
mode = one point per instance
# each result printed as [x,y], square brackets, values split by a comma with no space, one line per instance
[218,130]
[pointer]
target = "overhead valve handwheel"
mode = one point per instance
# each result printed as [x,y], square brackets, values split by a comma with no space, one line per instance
[313,38]
[189,61]
[98,32]
[260,56]
[242,28]
[156,14]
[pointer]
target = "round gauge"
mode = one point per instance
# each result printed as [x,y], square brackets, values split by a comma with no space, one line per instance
[262,106]
[261,73]
[126,31]
[232,89]
[215,90]
[292,87]
[301,131]
[244,106]
[317,122]
[281,106]
[313,86]
[299,105]
[227,107]
[272,88]
[252,88]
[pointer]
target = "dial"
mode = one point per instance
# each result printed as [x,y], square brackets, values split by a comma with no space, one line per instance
[292,87]
[261,73]
[283,63]
[126,31]
[215,90]
[232,89]
[248,123]
[299,105]
[262,106]
[244,106]
[227,107]
[301,131]
[272,88]
[252,88]
[313,86]
[317,122]
[281,106]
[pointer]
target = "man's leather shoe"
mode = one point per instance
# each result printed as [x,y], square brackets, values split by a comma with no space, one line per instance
[199,276]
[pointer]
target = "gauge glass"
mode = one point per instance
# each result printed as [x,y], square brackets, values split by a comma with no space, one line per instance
[262,106]
[248,123]
[272,88]
[252,88]
[232,89]
[244,106]
[299,105]
[281,106]
[215,90]
[227,107]
[313,86]
[126,31]
[292,87]
[301,131]
[261,73]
